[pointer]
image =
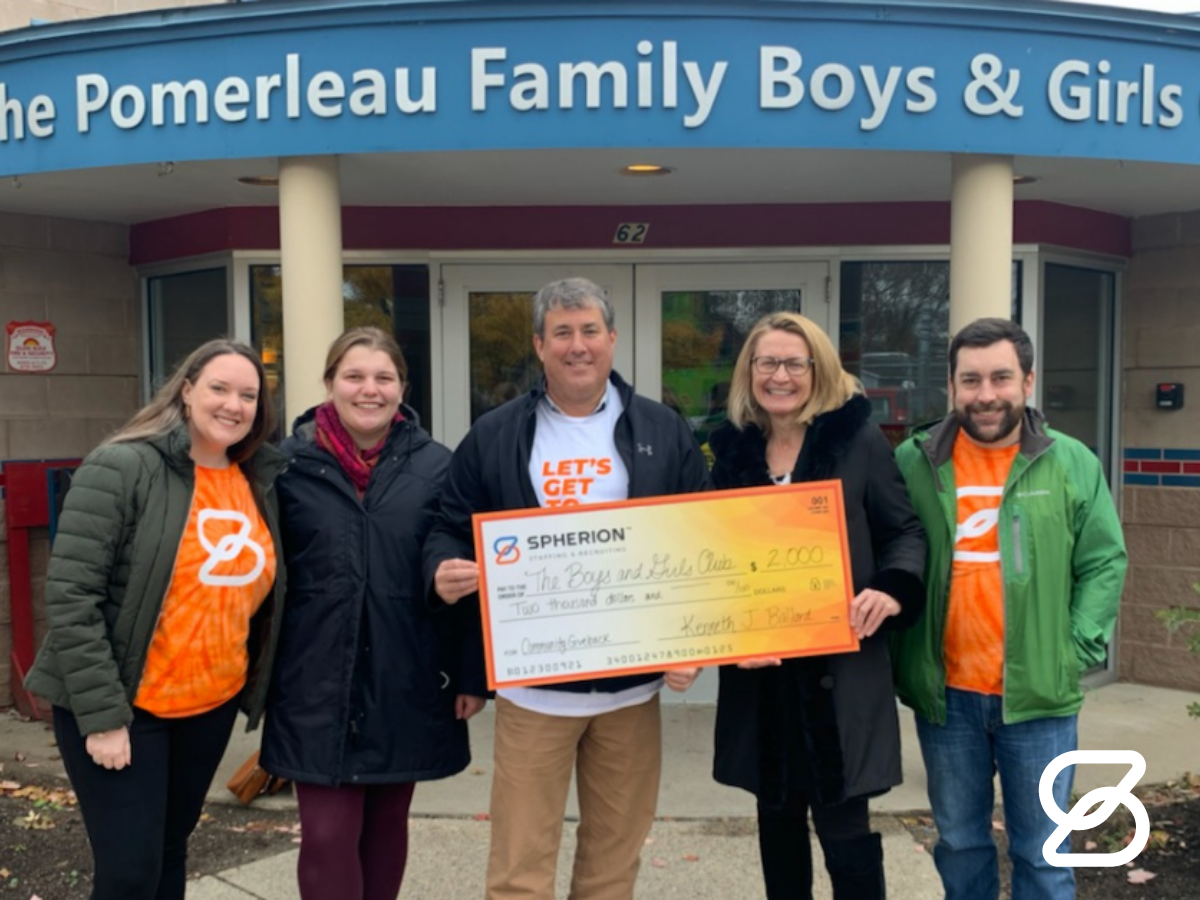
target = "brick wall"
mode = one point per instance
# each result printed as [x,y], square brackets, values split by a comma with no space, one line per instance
[74,275]
[20,13]
[1161,490]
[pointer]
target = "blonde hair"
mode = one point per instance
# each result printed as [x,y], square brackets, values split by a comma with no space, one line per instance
[832,385]
[364,336]
[164,412]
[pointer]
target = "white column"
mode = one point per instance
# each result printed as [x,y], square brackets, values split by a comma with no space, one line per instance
[310,245]
[981,241]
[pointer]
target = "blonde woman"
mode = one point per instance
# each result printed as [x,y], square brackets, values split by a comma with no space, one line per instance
[819,733]
[162,599]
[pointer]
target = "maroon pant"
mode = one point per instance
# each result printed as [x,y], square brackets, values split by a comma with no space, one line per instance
[353,840]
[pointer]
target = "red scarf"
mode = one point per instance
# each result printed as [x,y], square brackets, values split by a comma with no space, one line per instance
[333,437]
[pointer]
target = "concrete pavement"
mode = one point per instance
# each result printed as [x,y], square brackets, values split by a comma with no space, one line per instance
[704,844]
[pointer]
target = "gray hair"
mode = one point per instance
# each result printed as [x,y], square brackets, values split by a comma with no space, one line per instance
[571,293]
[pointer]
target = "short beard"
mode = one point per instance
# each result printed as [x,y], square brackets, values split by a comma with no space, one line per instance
[1012,418]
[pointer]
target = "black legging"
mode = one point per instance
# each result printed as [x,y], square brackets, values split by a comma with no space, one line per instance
[783,840]
[138,819]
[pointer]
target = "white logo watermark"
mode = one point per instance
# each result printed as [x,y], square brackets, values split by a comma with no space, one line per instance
[228,548]
[1080,820]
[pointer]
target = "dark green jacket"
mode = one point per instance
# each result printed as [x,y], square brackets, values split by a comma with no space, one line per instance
[110,568]
[1062,563]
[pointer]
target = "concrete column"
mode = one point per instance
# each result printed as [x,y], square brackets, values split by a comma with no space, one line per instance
[310,244]
[981,238]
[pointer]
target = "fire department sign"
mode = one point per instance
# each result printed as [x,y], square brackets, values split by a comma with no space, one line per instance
[31,346]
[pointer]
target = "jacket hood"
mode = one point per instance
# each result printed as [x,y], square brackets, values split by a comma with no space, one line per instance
[937,439]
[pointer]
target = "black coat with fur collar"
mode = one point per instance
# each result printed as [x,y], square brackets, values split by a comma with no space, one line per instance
[839,709]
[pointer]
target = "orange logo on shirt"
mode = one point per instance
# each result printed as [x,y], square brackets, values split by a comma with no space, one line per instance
[569,481]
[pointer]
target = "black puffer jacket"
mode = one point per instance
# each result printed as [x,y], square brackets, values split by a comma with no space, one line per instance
[490,472]
[846,707]
[366,675]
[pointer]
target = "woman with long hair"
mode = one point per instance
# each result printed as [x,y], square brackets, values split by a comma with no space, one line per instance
[369,696]
[162,598]
[818,733]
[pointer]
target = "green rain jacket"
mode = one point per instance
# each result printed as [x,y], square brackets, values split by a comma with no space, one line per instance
[1062,559]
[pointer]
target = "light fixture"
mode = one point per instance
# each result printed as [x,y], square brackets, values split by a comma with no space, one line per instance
[259,180]
[1023,179]
[644,169]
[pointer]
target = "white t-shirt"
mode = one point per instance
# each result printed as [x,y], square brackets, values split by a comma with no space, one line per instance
[575,462]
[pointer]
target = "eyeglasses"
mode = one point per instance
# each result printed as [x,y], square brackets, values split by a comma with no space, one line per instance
[769,365]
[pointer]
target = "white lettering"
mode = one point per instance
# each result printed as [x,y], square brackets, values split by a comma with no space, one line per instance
[771,77]
[881,97]
[178,93]
[481,78]
[230,94]
[91,95]
[128,95]
[818,88]
[705,93]
[326,86]
[428,100]
[592,74]
[369,97]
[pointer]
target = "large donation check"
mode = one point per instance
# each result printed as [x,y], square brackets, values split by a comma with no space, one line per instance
[664,583]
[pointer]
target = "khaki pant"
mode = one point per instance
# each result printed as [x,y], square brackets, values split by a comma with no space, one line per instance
[618,759]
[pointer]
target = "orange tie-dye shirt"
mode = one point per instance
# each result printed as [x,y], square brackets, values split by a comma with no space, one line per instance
[974,643]
[223,570]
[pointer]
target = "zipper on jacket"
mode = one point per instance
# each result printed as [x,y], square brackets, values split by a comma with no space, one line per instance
[1018,557]
[944,611]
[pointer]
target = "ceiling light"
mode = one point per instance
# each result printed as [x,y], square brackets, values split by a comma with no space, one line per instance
[259,180]
[641,169]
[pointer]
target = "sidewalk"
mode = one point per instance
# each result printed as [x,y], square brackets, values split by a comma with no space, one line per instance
[704,844]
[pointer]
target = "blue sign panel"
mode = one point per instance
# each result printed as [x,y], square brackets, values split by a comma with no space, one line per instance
[320,78]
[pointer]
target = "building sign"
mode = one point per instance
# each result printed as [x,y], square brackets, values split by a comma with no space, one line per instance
[280,80]
[30,346]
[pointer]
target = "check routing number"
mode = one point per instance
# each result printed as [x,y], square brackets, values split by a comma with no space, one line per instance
[664,583]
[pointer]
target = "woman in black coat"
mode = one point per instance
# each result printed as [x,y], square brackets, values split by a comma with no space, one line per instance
[367,697]
[818,733]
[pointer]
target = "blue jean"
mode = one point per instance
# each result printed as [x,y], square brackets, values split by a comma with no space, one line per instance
[961,759]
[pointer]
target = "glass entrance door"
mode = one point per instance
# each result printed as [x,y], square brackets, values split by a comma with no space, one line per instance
[693,319]
[486,349]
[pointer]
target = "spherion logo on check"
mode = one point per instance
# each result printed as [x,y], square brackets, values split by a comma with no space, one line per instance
[506,550]
[1107,798]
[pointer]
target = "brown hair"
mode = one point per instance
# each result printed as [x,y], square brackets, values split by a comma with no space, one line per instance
[832,385]
[164,412]
[364,336]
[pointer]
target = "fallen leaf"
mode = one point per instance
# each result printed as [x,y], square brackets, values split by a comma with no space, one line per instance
[997,825]
[658,862]
[919,848]
[690,857]
[4,873]
[1139,876]
[483,817]
[1089,845]
[478,771]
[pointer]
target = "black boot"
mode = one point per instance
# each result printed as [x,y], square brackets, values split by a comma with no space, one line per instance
[856,868]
